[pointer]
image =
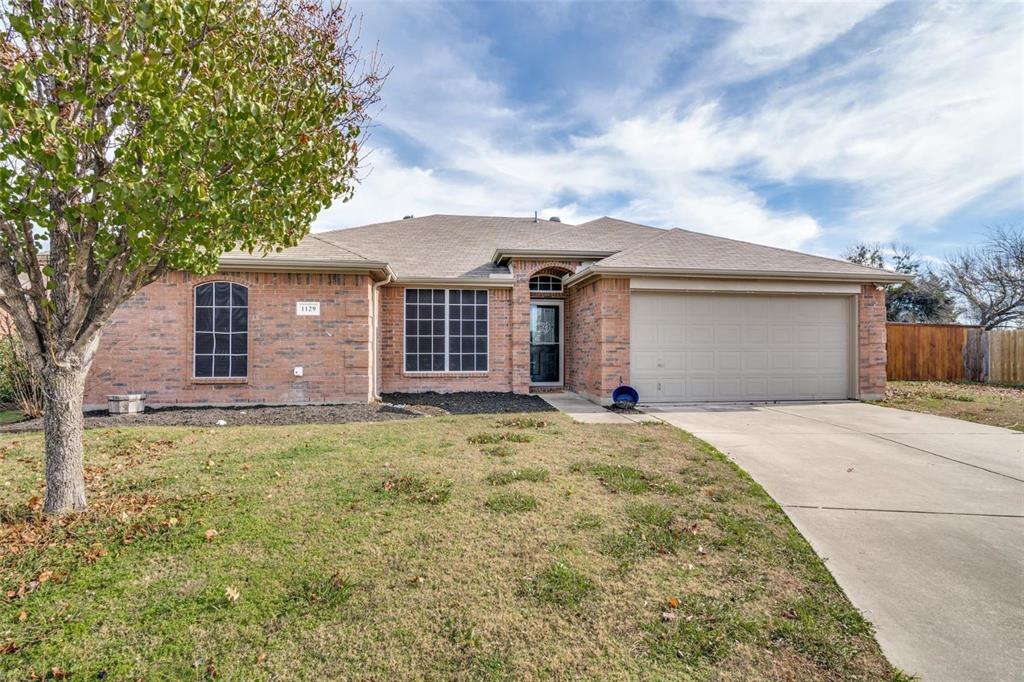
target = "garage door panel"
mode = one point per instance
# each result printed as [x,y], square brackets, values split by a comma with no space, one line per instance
[669,334]
[714,347]
[700,361]
[780,359]
[808,335]
[727,334]
[755,360]
[699,335]
[674,360]
[644,361]
[730,360]
[755,335]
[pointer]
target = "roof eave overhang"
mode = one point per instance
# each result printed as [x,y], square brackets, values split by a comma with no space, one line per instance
[865,278]
[502,255]
[475,282]
[375,268]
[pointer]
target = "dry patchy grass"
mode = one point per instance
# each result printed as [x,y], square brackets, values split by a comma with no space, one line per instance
[982,403]
[384,551]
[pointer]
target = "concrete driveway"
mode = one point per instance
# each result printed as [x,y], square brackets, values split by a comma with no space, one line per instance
[920,519]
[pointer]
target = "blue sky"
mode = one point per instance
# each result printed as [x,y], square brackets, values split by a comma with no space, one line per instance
[801,125]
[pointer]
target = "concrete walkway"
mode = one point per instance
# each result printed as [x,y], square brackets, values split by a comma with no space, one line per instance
[920,519]
[582,410]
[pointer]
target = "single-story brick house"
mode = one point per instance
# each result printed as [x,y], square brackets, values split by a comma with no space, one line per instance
[457,303]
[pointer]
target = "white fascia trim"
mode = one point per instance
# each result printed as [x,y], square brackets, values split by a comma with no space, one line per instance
[557,254]
[456,282]
[738,286]
[595,270]
[300,265]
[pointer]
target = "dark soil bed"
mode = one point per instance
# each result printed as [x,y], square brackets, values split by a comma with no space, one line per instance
[468,402]
[240,416]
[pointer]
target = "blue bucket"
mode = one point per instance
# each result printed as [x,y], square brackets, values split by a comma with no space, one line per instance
[625,396]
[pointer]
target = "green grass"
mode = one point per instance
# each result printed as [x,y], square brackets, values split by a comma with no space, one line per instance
[500,450]
[522,422]
[561,585]
[492,438]
[983,403]
[511,502]
[627,479]
[532,474]
[384,551]
[10,416]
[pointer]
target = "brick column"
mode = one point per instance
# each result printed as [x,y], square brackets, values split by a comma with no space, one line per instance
[871,342]
[520,319]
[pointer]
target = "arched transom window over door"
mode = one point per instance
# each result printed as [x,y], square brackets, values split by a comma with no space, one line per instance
[221,334]
[545,283]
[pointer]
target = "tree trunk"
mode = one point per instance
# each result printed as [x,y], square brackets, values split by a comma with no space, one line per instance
[63,392]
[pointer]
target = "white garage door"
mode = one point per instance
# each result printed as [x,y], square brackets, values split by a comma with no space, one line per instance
[721,347]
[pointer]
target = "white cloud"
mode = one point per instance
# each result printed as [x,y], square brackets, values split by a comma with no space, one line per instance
[771,35]
[917,125]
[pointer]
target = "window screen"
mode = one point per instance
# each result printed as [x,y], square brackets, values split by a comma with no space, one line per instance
[445,330]
[221,330]
[467,330]
[424,330]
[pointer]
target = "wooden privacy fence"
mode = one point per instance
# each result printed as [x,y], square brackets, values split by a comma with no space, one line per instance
[953,352]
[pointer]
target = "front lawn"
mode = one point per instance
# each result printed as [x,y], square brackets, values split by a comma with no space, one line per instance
[470,547]
[982,403]
[10,416]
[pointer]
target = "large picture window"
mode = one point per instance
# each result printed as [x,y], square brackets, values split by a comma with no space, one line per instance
[446,330]
[221,348]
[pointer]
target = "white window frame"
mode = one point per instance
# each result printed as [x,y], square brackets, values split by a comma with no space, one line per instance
[447,344]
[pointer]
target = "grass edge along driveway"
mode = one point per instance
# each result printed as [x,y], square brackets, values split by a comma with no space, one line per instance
[982,403]
[470,547]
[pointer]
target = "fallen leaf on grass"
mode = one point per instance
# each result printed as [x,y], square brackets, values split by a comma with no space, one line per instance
[673,602]
[23,616]
[232,594]
[211,534]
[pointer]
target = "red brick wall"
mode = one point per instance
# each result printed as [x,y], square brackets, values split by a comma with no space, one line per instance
[393,377]
[871,342]
[148,346]
[522,271]
[597,338]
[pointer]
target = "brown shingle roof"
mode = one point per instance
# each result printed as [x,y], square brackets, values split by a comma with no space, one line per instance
[311,250]
[683,250]
[441,246]
[465,247]
[603,234]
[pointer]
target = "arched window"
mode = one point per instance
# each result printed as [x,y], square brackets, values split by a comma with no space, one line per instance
[545,283]
[221,331]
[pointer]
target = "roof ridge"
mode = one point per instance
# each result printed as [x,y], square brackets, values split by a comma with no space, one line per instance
[526,219]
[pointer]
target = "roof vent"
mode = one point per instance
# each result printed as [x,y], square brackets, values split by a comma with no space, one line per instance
[555,219]
[408,217]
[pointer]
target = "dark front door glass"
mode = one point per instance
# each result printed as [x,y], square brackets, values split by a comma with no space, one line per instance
[545,343]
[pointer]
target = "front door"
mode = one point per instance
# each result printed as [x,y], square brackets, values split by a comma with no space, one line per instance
[545,343]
